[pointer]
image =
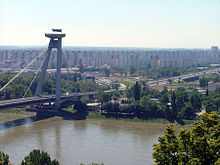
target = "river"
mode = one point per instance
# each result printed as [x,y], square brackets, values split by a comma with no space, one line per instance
[79,141]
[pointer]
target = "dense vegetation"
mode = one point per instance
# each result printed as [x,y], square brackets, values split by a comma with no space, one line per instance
[35,157]
[155,72]
[145,103]
[199,145]
[19,86]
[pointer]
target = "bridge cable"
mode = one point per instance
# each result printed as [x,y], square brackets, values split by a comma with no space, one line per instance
[20,72]
[23,60]
[35,76]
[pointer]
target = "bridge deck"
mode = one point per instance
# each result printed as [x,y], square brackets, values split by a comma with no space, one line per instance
[41,99]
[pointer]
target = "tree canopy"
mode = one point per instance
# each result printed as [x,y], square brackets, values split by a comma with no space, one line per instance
[199,145]
[4,159]
[36,157]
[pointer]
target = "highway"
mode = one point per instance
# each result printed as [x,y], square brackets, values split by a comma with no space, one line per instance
[76,96]
[182,77]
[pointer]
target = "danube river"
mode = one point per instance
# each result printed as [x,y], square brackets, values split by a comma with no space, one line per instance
[73,142]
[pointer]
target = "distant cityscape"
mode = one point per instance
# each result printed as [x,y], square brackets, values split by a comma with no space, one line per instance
[97,57]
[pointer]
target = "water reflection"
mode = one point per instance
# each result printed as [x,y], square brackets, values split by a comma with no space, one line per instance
[17,122]
[57,144]
[81,141]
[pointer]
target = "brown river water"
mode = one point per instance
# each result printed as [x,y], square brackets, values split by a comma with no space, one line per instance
[79,141]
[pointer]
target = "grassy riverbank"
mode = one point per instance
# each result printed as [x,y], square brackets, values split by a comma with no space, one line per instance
[12,110]
[99,116]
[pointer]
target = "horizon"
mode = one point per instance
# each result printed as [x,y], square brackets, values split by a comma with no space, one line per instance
[110,47]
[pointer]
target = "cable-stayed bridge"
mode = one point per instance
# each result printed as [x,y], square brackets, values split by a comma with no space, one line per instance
[45,52]
[42,99]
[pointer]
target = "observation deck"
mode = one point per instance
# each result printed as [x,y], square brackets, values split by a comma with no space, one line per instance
[54,35]
[57,33]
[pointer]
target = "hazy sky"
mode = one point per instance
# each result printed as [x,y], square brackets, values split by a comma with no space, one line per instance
[136,23]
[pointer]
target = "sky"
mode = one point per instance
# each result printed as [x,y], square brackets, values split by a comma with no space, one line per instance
[112,23]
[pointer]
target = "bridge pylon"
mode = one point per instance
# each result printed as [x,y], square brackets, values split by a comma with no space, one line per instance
[55,42]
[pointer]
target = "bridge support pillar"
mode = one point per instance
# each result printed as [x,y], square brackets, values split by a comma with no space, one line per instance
[58,76]
[55,42]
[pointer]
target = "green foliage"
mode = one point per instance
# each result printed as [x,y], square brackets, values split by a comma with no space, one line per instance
[132,70]
[134,91]
[107,72]
[183,104]
[19,91]
[19,86]
[80,106]
[212,103]
[4,159]
[173,104]
[164,99]
[48,86]
[137,91]
[181,98]
[110,107]
[203,82]
[187,112]
[115,95]
[195,101]
[199,145]
[36,157]
[148,107]
[164,72]
[104,97]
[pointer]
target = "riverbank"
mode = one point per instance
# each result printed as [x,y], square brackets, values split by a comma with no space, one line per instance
[17,111]
[99,116]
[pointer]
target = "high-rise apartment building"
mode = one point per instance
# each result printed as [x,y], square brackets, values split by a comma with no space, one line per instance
[120,57]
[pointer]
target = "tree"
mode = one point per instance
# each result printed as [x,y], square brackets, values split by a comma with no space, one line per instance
[195,101]
[8,92]
[164,99]
[203,82]
[111,107]
[132,70]
[36,157]
[77,87]
[47,86]
[137,91]
[4,159]
[181,98]
[19,91]
[173,104]
[199,145]
[104,97]
[187,112]
[149,107]
[107,72]
[80,106]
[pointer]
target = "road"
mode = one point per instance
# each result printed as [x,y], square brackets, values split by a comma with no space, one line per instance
[164,81]
[41,99]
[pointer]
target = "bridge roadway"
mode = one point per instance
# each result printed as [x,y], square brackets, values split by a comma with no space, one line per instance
[164,81]
[41,99]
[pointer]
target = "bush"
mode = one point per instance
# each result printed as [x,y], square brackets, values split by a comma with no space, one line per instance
[4,159]
[36,157]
